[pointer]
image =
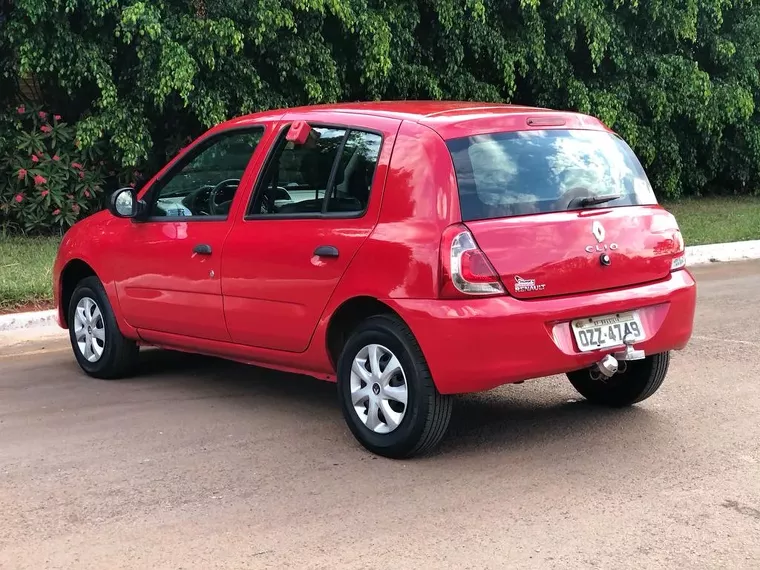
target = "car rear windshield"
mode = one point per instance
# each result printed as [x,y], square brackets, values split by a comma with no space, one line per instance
[532,172]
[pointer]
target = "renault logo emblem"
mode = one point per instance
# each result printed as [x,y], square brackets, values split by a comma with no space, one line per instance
[598,230]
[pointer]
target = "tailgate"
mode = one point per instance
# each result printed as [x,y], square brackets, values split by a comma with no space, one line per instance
[564,253]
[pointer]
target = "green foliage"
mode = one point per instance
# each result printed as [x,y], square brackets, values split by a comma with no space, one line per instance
[46,181]
[679,80]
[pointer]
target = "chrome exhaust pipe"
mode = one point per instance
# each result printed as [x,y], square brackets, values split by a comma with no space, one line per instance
[611,364]
[608,366]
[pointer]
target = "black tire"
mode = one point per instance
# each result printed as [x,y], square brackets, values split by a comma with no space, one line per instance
[427,412]
[640,380]
[120,354]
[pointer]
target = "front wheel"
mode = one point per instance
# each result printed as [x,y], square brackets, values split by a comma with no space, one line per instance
[386,392]
[640,380]
[99,347]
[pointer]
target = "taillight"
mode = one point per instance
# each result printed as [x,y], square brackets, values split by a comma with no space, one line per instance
[465,269]
[679,260]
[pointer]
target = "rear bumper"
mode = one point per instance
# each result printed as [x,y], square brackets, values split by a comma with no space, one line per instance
[478,344]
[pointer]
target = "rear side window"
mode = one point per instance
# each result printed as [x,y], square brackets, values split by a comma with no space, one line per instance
[355,172]
[331,173]
[532,172]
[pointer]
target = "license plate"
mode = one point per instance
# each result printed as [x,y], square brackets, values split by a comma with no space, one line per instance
[594,333]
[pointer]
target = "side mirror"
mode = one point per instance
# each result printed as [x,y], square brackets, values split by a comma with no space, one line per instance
[124,204]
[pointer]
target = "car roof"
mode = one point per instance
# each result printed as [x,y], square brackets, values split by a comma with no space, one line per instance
[446,117]
[404,110]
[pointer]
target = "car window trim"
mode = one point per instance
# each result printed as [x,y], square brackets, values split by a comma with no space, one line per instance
[247,217]
[189,156]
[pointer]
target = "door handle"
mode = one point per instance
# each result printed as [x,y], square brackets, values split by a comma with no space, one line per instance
[202,249]
[326,251]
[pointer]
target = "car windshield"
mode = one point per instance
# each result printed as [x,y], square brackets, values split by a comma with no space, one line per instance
[533,172]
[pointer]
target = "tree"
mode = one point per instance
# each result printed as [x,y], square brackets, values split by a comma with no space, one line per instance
[678,80]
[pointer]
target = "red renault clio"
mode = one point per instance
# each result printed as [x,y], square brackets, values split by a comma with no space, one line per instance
[408,251]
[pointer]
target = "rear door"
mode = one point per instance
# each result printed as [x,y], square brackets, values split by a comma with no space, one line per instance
[313,206]
[560,212]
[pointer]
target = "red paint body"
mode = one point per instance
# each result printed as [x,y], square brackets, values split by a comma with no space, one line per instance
[270,300]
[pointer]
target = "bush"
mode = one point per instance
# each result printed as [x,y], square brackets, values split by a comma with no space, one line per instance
[46,182]
[678,80]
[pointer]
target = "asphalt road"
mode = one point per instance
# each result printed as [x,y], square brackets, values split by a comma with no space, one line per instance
[199,463]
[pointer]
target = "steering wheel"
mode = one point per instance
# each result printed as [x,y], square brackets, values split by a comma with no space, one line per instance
[212,205]
[282,194]
[265,202]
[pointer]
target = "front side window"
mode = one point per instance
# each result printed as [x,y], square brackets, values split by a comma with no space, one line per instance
[331,173]
[531,172]
[206,181]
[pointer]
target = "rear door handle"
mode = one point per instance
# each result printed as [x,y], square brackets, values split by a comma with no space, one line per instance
[326,251]
[202,249]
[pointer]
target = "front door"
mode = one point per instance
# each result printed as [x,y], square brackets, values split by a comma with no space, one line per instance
[169,266]
[314,205]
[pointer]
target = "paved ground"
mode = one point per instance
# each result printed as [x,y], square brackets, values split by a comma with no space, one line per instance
[204,464]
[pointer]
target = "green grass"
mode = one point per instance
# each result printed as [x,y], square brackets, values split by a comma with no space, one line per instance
[25,271]
[717,220]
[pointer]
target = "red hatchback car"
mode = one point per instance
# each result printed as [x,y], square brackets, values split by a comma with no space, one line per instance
[408,251]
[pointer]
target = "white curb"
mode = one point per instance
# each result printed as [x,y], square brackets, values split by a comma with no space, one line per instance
[695,255]
[16,321]
[737,251]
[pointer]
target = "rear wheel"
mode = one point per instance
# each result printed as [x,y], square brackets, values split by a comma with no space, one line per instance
[640,380]
[99,347]
[387,394]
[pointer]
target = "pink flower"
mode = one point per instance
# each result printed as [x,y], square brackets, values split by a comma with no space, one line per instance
[21,109]
[21,173]
[56,157]
[35,159]
[46,129]
[56,212]
[132,184]
[75,208]
[57,117]
[86,193]
[43,115]
[70,196]
[76,165]
[39,179]
[19,198]
[81,174]
[44,193]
